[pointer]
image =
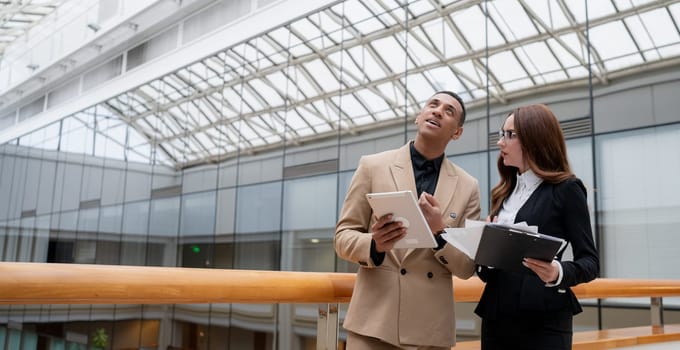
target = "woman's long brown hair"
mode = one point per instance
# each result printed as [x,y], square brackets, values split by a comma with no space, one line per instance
[543,146]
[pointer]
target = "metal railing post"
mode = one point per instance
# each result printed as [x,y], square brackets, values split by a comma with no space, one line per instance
[656,308]
[327,327]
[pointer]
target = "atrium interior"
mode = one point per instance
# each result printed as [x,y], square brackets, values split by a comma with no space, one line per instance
[224,134]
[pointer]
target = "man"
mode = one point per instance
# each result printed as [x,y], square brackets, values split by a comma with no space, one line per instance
[403,298]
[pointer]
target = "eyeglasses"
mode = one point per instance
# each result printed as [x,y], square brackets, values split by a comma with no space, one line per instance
[507,134]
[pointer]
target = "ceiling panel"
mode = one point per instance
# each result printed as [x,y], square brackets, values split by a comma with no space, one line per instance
[363,63]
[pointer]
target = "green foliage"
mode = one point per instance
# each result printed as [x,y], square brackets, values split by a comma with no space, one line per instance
[100,339]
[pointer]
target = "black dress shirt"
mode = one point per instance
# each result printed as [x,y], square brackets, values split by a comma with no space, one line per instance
[425,171]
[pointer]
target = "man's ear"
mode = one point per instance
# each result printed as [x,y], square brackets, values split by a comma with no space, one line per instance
[457,133]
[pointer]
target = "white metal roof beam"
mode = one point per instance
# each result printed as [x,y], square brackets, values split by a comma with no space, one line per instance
[539,22]
[331,68]
[601,70]
[252,25]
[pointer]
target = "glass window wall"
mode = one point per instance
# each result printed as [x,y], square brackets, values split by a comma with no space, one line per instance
[639,197]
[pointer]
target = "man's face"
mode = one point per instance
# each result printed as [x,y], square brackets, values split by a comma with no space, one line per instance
[440,117]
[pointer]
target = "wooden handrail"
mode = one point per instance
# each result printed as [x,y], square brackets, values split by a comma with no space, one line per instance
[42,283]
[45,283]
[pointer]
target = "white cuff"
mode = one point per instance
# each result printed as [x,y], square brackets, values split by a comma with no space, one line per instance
[559,276]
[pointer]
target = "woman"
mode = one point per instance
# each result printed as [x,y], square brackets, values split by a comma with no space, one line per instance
[534,310]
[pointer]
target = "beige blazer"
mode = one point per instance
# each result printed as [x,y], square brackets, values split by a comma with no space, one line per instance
[407,302]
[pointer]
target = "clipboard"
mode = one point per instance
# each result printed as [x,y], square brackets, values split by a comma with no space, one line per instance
[404,207]
[504,247]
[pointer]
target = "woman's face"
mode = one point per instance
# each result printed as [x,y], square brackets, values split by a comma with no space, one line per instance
[511,147]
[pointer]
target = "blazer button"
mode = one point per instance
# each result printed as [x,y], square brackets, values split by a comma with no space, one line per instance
[403,271]
[430,275]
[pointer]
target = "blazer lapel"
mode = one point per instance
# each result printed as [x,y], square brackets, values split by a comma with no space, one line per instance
[529,206]
[446,187]
[402,170]
[404,180]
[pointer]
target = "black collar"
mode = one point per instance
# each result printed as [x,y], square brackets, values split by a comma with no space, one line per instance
[420,162]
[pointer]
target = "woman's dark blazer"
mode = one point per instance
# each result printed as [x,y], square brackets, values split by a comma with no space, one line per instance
[559,210]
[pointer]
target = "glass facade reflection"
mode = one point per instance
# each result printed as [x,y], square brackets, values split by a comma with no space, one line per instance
[639,201]
[242,160]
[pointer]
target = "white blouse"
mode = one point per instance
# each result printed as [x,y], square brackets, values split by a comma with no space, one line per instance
[527,183]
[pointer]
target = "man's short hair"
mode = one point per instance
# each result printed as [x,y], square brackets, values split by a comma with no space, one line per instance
[460,100]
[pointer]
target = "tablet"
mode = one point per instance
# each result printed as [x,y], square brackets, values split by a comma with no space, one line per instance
[404,207]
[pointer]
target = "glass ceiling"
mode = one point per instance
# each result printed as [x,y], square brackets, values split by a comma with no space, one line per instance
[18,17]
[363,64]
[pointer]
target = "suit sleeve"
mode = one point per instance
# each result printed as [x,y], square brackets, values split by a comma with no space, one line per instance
[571,198]
[461,265]
[484,272]
[352,241]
